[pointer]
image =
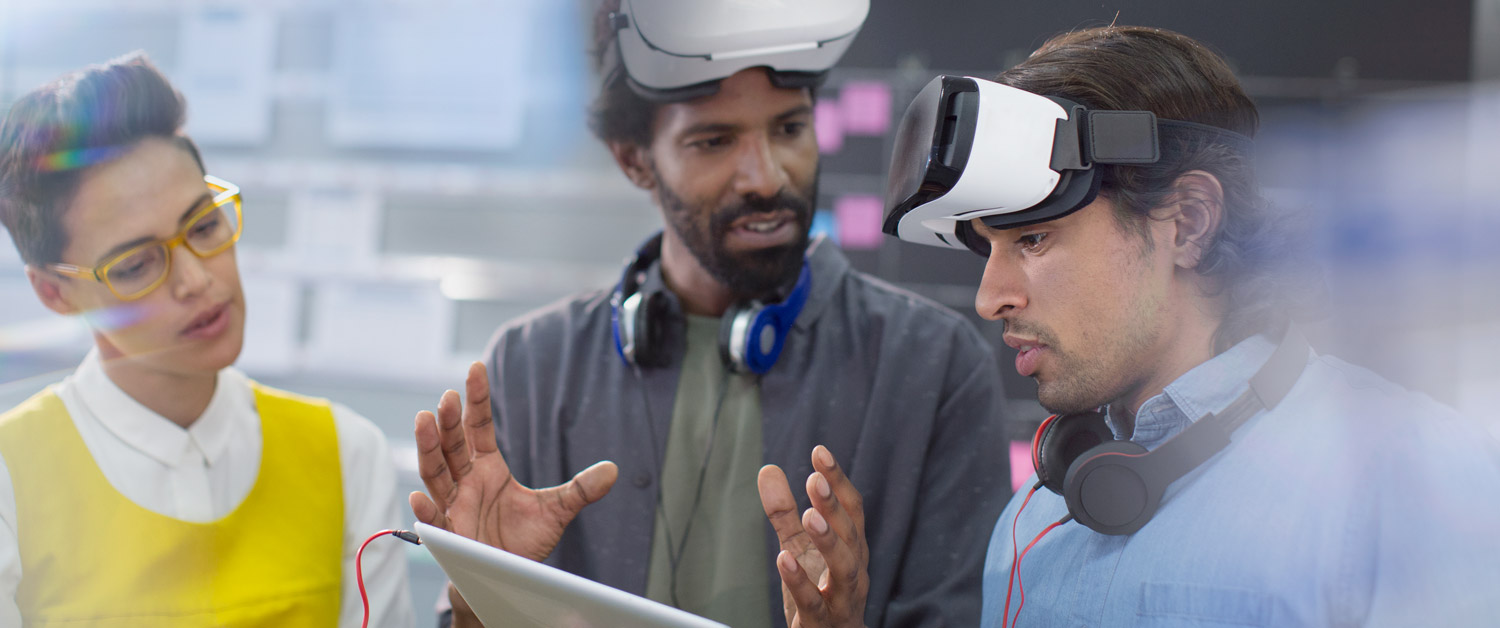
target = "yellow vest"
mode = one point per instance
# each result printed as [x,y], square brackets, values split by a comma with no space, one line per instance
[91,557]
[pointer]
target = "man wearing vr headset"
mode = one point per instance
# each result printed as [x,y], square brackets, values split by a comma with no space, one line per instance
[1207,468]
[729,343]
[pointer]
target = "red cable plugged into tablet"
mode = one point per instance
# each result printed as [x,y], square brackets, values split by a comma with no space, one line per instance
[359,570]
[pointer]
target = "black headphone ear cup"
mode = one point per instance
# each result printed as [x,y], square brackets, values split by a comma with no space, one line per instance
[650,330]
[1063,441]
[1107,490]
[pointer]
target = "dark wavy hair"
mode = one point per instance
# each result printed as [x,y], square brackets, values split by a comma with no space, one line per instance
[617,113]
[54,135]
[1259,258]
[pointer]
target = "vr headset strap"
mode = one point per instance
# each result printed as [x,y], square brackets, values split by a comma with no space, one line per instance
[1088,137]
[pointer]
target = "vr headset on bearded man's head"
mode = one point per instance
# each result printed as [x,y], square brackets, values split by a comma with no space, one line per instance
[969,148]
[676,50]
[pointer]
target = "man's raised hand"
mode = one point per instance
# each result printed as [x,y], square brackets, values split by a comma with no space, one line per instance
[824,559]
[472,492]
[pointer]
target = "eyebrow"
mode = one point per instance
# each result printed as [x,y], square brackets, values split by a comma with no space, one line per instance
[799,110]
[724,127]
[126,246]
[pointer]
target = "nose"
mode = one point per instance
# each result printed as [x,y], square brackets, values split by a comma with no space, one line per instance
[189,276]
[761,172]
[1002,290]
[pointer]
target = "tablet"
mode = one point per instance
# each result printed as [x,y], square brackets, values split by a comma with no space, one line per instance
[507,590]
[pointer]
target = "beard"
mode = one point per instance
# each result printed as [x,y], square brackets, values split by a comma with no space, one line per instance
[1077,383]
[757,274]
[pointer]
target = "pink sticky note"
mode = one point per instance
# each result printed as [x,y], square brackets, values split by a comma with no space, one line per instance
[858,219]
[1020,464]
[866,106]
[829,125]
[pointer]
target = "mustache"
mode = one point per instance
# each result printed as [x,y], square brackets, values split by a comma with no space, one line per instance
[1027,329]
[751,205]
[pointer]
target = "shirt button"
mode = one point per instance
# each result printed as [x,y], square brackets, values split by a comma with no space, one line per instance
[643,480]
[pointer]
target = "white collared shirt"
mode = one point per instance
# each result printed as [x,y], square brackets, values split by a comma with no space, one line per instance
[201,473]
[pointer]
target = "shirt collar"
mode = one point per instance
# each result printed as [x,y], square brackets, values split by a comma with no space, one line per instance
[1206,389]
[153,434]
[828,266]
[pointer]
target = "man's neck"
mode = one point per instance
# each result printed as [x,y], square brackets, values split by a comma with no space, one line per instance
[179,397]
[699,291]
[1186,342]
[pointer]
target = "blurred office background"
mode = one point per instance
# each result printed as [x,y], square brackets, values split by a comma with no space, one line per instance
[417,173]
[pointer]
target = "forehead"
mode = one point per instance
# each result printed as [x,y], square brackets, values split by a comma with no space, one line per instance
[747,97]
[141,193]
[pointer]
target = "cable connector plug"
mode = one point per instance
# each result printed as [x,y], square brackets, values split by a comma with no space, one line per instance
[359,569]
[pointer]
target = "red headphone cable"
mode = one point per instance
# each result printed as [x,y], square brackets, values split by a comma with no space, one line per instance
[1019,584]
[359,570]
[1013,558]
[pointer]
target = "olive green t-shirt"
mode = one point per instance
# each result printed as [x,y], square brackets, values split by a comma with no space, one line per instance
[717,544]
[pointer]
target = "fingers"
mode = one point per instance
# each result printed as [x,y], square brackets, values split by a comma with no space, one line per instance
[432,465]
[835,524]
[590,484]
[781,509]
[451,433]
[820,493]
[426,511]
[842,488]
[780,506]
[805,596]
[479,428]
[844,588]
[463,614]
[788,605]
[587,487]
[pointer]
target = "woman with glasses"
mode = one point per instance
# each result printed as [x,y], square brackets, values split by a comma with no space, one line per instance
[156,485]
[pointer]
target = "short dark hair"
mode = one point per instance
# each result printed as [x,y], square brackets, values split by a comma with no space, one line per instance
[618,114]
[54,135]
[1258,257]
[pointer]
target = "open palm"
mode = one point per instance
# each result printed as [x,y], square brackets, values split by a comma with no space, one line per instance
[472,492]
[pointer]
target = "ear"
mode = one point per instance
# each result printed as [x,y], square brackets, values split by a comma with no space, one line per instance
[1197,212]
[51,292]
[635,161]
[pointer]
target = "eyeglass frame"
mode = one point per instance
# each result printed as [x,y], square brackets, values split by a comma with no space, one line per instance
[227,193]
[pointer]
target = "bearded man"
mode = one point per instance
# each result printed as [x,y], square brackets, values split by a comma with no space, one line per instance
[730,342]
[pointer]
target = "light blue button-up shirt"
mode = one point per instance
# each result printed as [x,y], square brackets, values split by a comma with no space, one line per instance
[1351,503]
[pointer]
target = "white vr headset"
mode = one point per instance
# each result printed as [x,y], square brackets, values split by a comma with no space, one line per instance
[969,148]
[675,50]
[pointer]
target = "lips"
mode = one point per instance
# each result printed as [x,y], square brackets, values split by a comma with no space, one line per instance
[1029,353]
[1026,361]
[763,230]
[209,323]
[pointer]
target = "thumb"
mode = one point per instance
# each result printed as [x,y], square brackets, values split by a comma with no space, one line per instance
[587,487]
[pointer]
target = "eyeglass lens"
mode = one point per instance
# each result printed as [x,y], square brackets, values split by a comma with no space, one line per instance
[206,235]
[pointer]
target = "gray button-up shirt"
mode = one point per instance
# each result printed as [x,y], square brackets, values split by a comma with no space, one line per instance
[906,394]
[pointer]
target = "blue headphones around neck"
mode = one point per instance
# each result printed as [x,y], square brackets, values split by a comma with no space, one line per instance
[751,335]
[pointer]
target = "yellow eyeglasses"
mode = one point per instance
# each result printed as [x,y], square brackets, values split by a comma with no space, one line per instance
[136,272]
